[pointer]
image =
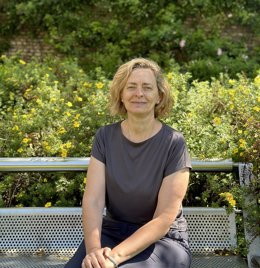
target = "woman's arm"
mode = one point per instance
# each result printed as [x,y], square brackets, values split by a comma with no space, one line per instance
[92,211]
[170,197]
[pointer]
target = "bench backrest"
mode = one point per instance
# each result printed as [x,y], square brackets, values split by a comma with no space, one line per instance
[58,231]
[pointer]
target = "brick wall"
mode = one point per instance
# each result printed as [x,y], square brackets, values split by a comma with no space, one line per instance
[29,47]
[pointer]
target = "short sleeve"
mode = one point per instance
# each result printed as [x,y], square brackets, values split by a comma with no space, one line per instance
[98,148]
[178,156]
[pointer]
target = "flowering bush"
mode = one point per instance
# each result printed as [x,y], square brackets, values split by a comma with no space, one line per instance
[48,109]
[220,119]
[54,109]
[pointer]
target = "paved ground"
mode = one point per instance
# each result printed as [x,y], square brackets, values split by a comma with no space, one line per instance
[55,262]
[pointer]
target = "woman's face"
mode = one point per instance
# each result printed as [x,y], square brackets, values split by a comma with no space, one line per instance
[140,94]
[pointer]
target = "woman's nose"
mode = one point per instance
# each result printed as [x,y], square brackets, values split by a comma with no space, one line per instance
[139,92]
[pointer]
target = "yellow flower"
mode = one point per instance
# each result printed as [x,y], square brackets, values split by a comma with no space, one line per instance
[69,104]
[68,114]
[48,148]
[77,116]
[20,150]
[257,80]
[85,180]
[170,76]
[217,121]
[47,205]
[258,99]
[242,143]
[61,130]
[240,131]
[235,151]
[39,102]
[79,99]
[22,62]
[88,85]
[229,197]
[45,143]
[76,124]
[232,92]
[68,145]
[25,140]
[232,82]
[15,128]
[99,85]
[64,152]
[256,108]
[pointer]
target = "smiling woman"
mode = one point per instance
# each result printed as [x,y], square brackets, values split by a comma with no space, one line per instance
[139,171]
[121,79]
[140,95]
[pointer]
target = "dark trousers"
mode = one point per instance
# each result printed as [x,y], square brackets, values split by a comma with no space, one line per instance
[171,251]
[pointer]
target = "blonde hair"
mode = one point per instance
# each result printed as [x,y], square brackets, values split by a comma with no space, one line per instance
[120,79]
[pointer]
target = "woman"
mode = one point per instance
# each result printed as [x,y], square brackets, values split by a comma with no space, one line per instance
[139,171]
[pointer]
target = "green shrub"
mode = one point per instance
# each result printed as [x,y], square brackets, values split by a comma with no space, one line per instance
[53,109]
[106,33]
[47,109]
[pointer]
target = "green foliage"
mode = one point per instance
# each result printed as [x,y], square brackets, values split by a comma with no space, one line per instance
[47,109]
[43,108]
[53,109]
[220,119]
[106,33]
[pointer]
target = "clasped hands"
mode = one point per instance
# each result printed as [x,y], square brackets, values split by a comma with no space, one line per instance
[98,258]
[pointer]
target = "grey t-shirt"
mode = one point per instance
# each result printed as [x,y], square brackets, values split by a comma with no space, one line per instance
[135,171]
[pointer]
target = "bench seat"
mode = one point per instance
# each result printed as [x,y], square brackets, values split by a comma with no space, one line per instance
[48,237]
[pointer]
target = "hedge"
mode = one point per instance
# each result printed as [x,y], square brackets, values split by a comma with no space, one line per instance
[54,108]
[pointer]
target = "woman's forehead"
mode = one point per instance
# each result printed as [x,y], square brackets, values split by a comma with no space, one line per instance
[145,74]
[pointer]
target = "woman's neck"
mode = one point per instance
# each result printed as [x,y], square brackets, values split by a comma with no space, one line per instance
[140,129]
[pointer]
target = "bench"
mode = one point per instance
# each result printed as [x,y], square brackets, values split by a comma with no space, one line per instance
[48,237]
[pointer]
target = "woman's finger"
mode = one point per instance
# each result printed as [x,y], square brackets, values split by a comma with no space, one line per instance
[106,251]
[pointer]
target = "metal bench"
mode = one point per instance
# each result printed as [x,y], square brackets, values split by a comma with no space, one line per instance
[47,237]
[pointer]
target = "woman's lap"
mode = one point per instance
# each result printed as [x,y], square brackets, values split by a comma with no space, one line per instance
[163,254]
[170,251]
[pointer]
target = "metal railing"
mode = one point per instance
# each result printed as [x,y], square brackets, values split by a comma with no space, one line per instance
[43,164]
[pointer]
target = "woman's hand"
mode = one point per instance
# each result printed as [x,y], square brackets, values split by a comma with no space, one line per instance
[97,259]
